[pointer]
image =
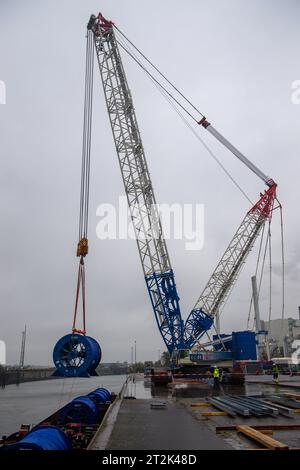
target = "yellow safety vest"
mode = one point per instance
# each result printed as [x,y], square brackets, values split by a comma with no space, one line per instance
[216,373]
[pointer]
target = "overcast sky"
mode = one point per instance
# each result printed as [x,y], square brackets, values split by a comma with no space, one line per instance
[236,60]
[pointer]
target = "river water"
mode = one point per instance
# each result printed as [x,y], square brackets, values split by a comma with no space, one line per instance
[31,402]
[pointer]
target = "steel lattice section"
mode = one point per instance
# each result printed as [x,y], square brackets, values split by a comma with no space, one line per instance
[230,265]
[138,187]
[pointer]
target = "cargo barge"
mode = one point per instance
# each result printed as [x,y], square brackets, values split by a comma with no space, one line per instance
[72,427]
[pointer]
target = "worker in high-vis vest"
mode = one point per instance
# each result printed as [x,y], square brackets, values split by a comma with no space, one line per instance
[275,373]
[216,376]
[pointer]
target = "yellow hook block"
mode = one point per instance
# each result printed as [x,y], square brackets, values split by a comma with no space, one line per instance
[83,247]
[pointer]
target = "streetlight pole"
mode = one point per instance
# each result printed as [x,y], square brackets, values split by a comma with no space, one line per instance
[135,355]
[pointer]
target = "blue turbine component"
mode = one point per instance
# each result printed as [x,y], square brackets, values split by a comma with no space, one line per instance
[196,325]
[165,302]
[75,355]
[80,410]
[43,438]
[100,396]
[244,345]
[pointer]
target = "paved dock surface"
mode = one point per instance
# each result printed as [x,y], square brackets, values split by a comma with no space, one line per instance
[283,380]
[138,427]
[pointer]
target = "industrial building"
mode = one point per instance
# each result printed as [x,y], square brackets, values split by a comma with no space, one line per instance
[282,333]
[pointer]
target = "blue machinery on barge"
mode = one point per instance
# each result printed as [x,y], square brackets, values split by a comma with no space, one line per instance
[71,427]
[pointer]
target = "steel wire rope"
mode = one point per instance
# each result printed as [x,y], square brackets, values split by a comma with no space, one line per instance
[86,141]
[82,248]
[256,271]
[155,80]
[270,290]
[81,200]
[262,269]
[270,273]
[90,98]
[283,271]
[171,99]
[158,71]
[283,265]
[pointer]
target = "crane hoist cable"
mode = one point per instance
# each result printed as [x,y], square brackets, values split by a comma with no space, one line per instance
[256,271]
[76,354]
[282,263]
[270,273]
[267,250]
[268,245]
[282,267]
[263,254]
[82,246]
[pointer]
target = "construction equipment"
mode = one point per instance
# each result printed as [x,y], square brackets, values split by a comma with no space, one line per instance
[155,260]
[76,354]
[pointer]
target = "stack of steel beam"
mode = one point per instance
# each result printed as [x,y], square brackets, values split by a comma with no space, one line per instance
[256,407]
[244,406]
[285,401]
[283,407]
